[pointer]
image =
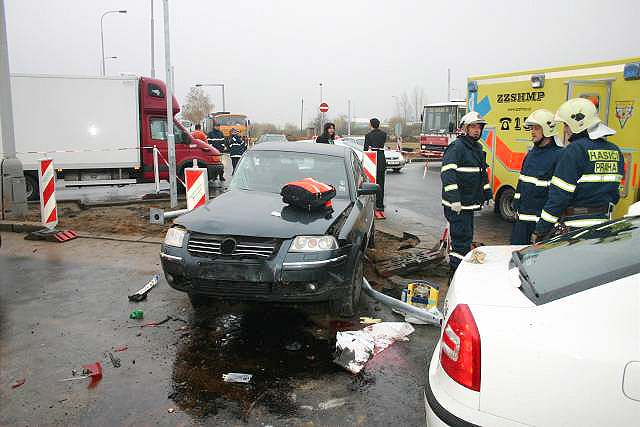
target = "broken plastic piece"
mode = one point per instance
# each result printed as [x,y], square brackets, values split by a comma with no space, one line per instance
[234,377]
[136,314]
[369,320]
[121,348]
[477,257]
[141,295]
[18,383]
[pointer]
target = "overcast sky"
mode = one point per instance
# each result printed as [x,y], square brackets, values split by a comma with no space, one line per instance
[270,54]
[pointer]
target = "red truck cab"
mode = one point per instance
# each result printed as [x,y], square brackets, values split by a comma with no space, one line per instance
[153,132]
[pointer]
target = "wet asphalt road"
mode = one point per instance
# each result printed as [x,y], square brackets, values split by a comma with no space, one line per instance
[62,306]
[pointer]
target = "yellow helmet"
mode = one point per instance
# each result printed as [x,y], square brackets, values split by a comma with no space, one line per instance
[578,113]
[470,118]
[544,119]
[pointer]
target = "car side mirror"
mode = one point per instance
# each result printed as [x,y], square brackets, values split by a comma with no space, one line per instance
[368,188]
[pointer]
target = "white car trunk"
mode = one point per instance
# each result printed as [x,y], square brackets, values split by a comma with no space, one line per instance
[560,363]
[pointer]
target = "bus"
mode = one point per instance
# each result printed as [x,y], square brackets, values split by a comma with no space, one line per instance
[440,127]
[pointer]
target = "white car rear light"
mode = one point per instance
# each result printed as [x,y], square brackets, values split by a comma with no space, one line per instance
[460,348]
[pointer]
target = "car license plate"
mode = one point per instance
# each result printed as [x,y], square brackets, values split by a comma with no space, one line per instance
[393,162]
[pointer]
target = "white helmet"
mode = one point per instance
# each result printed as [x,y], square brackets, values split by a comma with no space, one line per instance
[470,118]
[578,113]
[544,119]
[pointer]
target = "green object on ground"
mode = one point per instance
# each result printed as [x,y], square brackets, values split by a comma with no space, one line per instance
[136,314]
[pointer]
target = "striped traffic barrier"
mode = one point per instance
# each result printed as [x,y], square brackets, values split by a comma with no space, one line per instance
[196,180]
[48,206]
[369,162]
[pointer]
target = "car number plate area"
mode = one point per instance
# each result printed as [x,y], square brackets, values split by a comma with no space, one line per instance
[241,272]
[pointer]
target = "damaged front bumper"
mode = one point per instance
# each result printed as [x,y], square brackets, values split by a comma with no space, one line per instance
[284,277]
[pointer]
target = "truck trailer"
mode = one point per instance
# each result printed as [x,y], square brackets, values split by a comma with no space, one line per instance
[99,130]
[506,100]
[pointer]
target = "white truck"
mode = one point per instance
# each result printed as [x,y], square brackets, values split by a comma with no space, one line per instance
[97,130]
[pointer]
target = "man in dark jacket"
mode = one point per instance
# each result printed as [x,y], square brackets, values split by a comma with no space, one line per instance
[465,185]
[328,135]
[375,140]
[236,147]
[585,185]
[535,175]
[216,138]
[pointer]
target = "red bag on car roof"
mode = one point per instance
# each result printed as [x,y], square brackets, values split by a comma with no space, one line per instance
[308,194]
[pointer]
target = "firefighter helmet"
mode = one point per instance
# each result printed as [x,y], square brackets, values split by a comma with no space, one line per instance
[544,119]
[578,113]
[472,117]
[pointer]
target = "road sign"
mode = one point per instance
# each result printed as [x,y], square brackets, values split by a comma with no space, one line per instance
[48,207]
[324,107]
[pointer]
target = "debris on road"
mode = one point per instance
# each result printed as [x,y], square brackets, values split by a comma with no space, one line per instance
[408,263]
[56,236]
[421,293]
[121,348]
[115,361]
[92,371]
[293,346]
[154,324]
[355,348]
[234,377]
[18,383]
[171,410]
[369,321]
[136,314]
[332,403]
[141,295]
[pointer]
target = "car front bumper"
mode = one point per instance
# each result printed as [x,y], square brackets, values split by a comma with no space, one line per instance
[285,277]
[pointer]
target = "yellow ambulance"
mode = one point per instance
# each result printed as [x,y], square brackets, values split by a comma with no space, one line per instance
[505,101]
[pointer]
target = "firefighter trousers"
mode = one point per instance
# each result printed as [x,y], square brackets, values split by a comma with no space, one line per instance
[522,231]
[461,232]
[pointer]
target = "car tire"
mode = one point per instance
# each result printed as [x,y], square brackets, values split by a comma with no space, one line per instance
[348,306]
[199,300]
[32,188]
[505,204]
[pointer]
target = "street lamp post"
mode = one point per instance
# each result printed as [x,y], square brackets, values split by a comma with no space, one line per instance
[224,105]
[153,53]
[109,57]
[102,34]
[321,114]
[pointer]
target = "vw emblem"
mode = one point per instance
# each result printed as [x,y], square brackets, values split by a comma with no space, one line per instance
[228,246]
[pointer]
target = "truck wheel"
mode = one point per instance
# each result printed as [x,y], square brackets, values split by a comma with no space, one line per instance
[32,188]
[348,306]
[505,204]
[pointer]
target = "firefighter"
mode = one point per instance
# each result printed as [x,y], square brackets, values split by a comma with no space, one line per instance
[465,185]
[535,176]
[236,147]
[216,138]
[375,140]
[585,185]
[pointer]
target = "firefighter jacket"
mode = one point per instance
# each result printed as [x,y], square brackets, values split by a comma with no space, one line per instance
[216,138]
[588,175]
[535,178]
[236,146]
[464,175]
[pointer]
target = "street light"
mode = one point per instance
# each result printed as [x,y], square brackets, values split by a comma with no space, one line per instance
[224,105]
[102,34]
[109,57]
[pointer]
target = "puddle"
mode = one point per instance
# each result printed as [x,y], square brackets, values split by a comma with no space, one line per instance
[276,346]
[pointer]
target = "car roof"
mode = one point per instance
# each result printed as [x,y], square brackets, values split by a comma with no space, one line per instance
[298,147]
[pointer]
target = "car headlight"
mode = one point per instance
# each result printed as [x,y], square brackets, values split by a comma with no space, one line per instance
[313,244]
[175,237]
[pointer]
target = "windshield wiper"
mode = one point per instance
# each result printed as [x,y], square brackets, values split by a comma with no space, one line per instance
[524,276]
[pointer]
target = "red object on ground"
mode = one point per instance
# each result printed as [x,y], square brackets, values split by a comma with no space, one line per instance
[121,348]
[18,383]
[95,372]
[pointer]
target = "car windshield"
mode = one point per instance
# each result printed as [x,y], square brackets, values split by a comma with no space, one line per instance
[269,171]
[580,260]
[231,120]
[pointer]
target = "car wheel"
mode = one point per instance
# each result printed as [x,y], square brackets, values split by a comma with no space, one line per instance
[32,190]
[199,300]
[348,306]
[505,204]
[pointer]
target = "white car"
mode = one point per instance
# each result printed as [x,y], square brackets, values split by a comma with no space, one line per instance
[544,335]
[395,159]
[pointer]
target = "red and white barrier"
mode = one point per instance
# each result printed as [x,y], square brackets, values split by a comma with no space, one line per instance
[48,206]
[197,183]
[370,162]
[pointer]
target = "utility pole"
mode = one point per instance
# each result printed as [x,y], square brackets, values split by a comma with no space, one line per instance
[12,188]
[171,141]
[349,119]
[301,114]
[449,84]
[153,49]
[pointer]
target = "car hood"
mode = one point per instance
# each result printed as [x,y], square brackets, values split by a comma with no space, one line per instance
[258,214]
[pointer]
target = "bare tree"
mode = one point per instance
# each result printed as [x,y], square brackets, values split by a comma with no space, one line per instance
[403,106]
[418,101]
[197,105]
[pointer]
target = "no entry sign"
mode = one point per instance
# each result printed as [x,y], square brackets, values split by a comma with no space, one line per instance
[324,107]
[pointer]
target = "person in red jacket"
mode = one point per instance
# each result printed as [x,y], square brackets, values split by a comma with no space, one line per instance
[198,134]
